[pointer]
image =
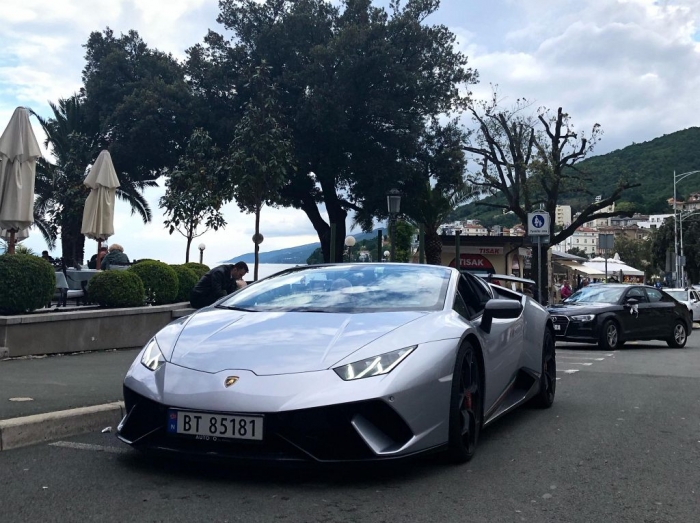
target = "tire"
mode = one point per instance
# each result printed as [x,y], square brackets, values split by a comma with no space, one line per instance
[548,376]
[466,405]
[609,336]
[680,336]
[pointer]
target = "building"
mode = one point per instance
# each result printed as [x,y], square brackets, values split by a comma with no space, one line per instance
[600,222]
[584,238]
[562,215]
[625,221]
[654,221]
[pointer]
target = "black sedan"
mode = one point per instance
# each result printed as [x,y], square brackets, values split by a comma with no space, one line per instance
[612,314]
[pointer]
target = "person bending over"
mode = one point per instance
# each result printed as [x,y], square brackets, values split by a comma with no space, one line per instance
[217,283]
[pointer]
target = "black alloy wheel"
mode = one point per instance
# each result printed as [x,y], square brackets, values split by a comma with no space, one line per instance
[609,336]
[548,377]
[680,336]
[466,405]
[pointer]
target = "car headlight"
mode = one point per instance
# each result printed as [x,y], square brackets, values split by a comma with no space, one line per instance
[375,366]
[152,357]
[583,317]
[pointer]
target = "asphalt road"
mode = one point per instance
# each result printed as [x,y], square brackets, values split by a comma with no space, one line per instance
[621,444]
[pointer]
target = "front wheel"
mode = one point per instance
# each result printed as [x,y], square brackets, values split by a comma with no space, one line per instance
[548,377]
[609,336]
[466,405]
[680,336]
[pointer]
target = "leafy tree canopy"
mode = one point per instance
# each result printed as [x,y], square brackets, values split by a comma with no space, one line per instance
[356,85]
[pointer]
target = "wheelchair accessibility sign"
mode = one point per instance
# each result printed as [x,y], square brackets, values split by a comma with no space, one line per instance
[538,223]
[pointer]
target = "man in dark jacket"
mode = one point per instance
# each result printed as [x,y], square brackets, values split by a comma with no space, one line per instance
[216,284]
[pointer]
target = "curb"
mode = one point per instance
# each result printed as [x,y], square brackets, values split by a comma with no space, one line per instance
[30,430]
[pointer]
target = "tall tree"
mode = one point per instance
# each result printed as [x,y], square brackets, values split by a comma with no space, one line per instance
[437,184]
[662,242]
[194,195]
[356,85]
[532,161]
[261,159]
[75,142]
[140,101]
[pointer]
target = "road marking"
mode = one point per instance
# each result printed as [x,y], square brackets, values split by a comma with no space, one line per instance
[569,371]
[578,363]
[584,352]
[88,446]
[580,358]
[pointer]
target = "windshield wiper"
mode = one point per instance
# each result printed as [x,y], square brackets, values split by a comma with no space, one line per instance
[234,308]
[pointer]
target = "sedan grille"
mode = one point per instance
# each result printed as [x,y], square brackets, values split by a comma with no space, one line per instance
[561,324]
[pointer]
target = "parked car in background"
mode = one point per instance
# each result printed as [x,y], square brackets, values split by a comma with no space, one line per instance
[690,298]
[612,314]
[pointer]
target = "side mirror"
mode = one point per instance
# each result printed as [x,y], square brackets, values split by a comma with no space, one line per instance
[499,309]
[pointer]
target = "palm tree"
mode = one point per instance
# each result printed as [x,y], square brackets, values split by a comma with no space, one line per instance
[432,210]
[75,141]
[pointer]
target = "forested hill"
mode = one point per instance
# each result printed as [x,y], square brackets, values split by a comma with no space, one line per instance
[649,163]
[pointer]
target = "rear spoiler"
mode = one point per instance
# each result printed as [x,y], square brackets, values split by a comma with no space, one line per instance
[505,277]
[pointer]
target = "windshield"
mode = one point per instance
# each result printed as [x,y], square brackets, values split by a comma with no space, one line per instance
[597,294]
[347,288]
[679,295]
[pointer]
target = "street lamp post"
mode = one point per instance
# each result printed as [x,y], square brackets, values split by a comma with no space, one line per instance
[677,178]
[393,202]
[349,243]
[201,252]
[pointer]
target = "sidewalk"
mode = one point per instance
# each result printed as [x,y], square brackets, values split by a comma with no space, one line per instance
[42,397]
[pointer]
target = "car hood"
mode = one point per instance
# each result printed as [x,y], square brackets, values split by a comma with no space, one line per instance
[584,308]
[269,343]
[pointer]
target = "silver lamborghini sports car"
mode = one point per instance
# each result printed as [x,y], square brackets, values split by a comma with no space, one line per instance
[344,362]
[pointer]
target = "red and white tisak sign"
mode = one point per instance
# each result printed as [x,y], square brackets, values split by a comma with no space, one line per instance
[473,261]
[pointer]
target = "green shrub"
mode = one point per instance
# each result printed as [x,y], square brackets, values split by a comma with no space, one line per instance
[27,283]
[116,289]
[199,269]
[159,281]
[186,280]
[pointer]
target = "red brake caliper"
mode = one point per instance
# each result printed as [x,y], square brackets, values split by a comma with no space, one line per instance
[468,400]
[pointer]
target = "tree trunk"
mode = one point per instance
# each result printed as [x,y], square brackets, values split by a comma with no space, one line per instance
[187,252]
[257,243]
[433,247]
[72,244]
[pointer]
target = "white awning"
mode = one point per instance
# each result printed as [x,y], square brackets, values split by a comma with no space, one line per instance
[590,271]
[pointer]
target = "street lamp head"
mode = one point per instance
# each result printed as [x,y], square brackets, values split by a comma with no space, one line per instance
[350,241]
[386,254]
[202,246]
[393,201]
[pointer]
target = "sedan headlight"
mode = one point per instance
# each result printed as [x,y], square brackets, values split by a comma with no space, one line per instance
[152,357]
[583,317]
[375,366]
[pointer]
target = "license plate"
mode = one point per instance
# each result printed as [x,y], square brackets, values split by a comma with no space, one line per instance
[557,327]
[206,425]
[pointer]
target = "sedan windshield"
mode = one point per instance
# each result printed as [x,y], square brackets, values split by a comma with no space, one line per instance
[679,295]
[347,288]
[596,294]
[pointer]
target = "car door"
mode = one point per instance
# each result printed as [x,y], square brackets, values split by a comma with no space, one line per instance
[695,304]
[635,319]
[662,313]
[501,347]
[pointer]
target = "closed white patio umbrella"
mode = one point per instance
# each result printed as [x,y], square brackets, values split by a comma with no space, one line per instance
[19,152]
[20,235]
[98,215]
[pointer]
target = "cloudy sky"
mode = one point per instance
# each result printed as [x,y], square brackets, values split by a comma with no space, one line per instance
[631,65]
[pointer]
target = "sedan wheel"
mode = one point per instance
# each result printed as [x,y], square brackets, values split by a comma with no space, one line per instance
[680,336]
[548,378]
[466,405]
[609,336]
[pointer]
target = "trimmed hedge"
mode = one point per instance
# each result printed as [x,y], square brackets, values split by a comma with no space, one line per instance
[186,280]
[199,269]
[27,282]
[117,289]
[159,281]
